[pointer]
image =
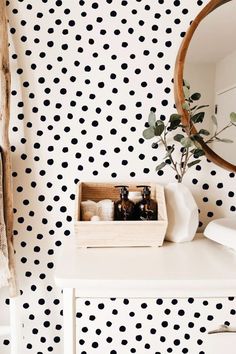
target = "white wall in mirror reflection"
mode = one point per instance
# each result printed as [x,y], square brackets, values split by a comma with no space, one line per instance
[210,68]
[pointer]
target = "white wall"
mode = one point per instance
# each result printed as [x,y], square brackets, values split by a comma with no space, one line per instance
[210,79]
[226,72]
[201,77]
[225,83]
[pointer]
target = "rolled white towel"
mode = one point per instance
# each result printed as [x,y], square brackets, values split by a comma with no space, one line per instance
[105,210]
[95,218]
[88,209]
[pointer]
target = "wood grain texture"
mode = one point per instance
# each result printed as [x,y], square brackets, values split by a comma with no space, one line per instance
[99,191]
[178,80]
[119,233]
[5,82]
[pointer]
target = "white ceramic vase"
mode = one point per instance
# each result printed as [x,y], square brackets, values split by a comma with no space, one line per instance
[182,212]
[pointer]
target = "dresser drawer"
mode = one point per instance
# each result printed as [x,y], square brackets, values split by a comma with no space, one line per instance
[221,343]
[155,326]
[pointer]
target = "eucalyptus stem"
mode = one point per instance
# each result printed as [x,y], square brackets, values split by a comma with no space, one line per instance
[186,158]
[173,164]
[215,135]
[190,138]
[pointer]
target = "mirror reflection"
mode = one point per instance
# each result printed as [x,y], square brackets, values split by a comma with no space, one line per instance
[210,68]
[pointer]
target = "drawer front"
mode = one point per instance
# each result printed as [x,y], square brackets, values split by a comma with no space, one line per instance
[221,343]
[155,326]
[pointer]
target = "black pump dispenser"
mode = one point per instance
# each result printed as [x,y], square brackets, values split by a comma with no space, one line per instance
[146,190]
[146,209]
[124,208]
[124,192]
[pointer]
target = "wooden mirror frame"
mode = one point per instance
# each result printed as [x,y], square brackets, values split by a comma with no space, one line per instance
[178,80]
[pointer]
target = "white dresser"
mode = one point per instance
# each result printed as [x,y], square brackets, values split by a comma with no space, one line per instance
[182,294]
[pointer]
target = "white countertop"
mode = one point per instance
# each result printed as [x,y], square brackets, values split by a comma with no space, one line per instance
[201,268]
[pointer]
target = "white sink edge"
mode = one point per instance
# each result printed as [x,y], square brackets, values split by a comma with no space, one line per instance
[222,231]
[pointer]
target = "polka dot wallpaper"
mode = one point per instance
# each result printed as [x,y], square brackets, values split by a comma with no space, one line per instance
[154,326]
[85,75]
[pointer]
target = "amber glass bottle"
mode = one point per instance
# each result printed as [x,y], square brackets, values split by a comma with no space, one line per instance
[147,208]
[124,208]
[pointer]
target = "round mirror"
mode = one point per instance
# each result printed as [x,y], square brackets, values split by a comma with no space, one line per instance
[206,62]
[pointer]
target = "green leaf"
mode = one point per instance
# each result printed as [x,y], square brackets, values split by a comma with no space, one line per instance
[190,164]
[186,142]
[196,96]
[198,152]
[178,137]
[173,126]
[204,132]
[186,106]
[186,92]
[214,120]
[149,133]
[233,117]
[159,128]
[175,117]
[222,140]
[186,84]
[161,166]
[203,106]
[198,117]
[175,121]
[152,119]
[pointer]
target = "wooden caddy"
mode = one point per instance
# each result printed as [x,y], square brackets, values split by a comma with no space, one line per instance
[118,233]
